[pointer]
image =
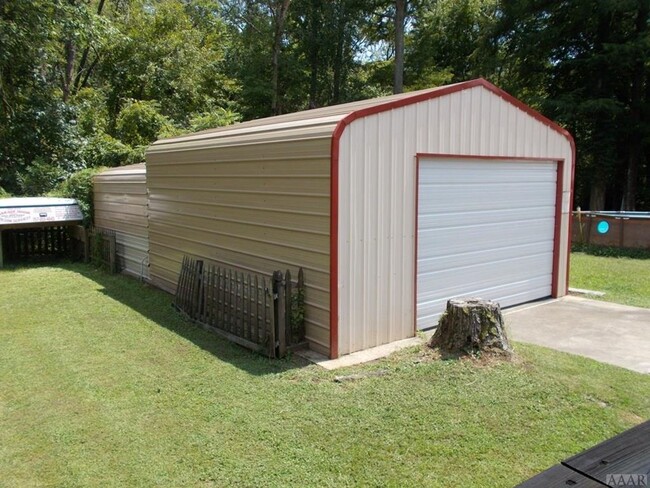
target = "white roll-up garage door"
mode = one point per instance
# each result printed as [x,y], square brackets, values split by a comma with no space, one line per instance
[486,229]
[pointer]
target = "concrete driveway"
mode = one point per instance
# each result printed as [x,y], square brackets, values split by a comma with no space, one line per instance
[608,332]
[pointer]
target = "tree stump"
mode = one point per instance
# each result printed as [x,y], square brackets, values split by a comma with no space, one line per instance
[471,325]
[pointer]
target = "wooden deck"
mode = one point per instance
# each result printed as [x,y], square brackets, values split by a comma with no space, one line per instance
[627,454]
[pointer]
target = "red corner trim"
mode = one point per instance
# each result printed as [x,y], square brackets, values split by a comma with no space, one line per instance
[334,173]
[557,243]
[570,216]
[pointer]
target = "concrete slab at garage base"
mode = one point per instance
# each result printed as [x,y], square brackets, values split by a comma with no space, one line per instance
[359,357]
[607,332]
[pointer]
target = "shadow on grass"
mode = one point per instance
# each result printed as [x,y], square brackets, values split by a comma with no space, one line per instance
[156,305]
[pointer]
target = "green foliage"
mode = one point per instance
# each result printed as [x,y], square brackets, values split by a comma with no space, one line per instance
[104,150]
[4,193]
[621,275]
[92,83]
[94,363]
[39,178]
[443,44]
[171,52]
[611,252]
[92,112]
[97,249]
[140,122]
[584,65]
[80,187]
[218,117]
[297,317]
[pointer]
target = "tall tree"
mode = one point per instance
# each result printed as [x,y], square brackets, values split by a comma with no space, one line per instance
[398,73]
[279,11]
[585,65]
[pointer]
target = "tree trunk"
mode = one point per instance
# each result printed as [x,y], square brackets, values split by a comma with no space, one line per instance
[84,58]
[597,196]
[398,74]
[280,15]
[636,103]
[337,67]
[70,54]
[471,325]
[314,59]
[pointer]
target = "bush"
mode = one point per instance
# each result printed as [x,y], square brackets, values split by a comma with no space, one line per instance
[80,187]
[140,122]
[39,178]
[219,117]
[104,150]
[4,194]
[611,252]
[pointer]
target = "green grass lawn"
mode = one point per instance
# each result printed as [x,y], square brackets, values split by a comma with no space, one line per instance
[623,279]
[104,385]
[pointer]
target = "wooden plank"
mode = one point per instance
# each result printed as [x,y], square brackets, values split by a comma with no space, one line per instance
[258,327]
[265,330]
[239,278]
[560,477]
[228,322]
[213,297]
[233,303]
[184,302]
[246,296]
[187,289]
[288,309]
[230,337]
[192,287]
[220,297]
[271,319]
[200,290]
[301,290]
[178,299]
[626,453]
[281,318]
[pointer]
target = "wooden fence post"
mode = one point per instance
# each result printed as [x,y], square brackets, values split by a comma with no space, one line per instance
[288,309]
[112,253]
[268,294]
[281,318]
[198,290]
[301,292]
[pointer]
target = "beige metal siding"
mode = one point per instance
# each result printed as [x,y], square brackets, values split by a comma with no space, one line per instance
[258,206]
[377,199]
[120,198]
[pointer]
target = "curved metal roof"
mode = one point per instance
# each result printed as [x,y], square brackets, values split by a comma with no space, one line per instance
[320,122]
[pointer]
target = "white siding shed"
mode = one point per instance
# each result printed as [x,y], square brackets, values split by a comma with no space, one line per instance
[392,206]
[120,199]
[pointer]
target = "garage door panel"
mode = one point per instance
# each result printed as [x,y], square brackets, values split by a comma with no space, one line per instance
[441,242]
[485,197]
[467,171]
[484,229]
[437,262]
[482,276]
[462,218]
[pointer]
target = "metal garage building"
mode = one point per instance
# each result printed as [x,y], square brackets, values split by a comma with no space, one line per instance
[391,206]
[120,199]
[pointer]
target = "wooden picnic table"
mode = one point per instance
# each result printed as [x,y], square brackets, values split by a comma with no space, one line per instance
[625,454]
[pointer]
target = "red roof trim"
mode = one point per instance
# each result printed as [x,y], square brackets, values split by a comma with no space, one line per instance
[334,172]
